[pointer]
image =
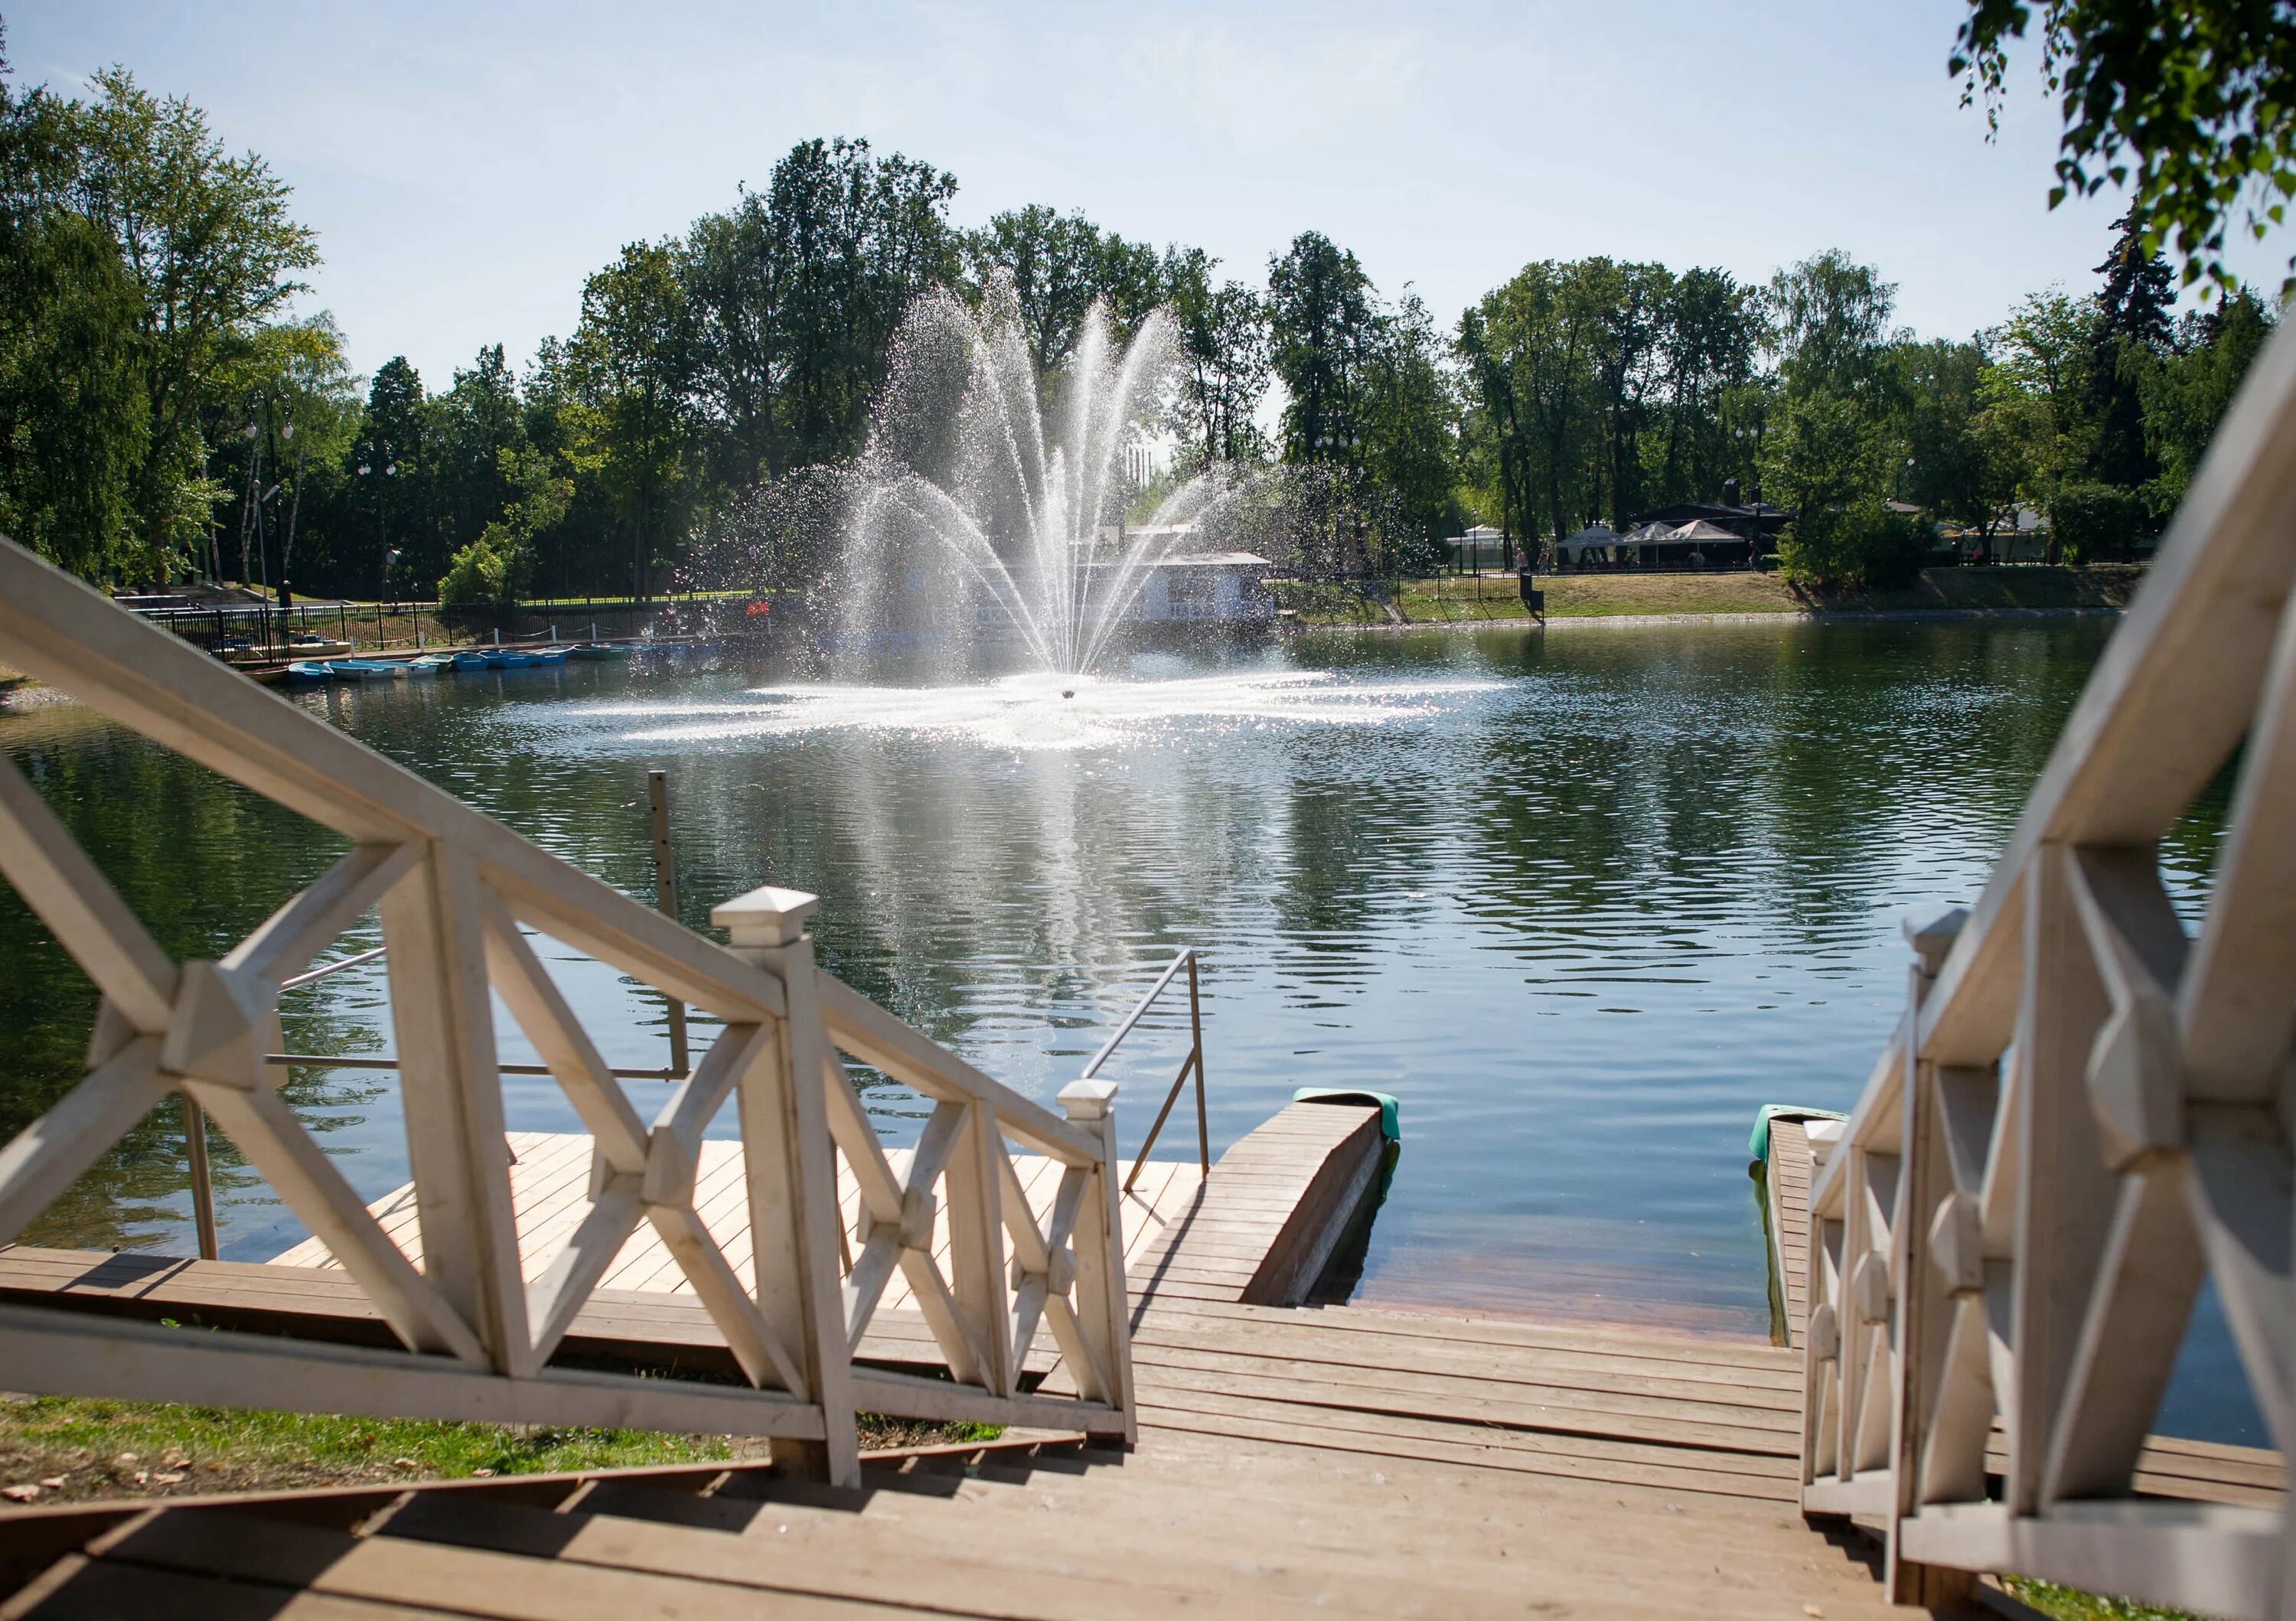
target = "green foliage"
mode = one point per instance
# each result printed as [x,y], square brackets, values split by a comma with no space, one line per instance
[2189,104]
[139,262]
[1597,389]
[2187,394]
[1223,341]
[1862,546]
[1322,321]
[2093,522]
[1059,265]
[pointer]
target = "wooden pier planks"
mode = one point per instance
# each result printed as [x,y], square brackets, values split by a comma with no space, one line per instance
[1273,1211]
[1786,1182]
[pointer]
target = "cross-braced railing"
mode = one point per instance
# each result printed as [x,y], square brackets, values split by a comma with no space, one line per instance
[2087,1114]
[457,893]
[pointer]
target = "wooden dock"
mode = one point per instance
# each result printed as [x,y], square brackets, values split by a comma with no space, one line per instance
[1293,1459]
[1259,1231]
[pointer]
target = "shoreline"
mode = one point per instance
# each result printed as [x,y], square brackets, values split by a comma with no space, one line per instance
[1819,616]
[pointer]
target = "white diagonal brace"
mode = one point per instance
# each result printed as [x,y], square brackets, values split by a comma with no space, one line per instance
[290,938]
[47,867]
[748,1335]
[543,1012]
[1029,1251]
[2237,1016]
[2142,1298]
[48,1156]
[2242,1200]
[702,1095]
[966,1365]
[555,1298]
[283,1154]
[850,1128]
[872,1269]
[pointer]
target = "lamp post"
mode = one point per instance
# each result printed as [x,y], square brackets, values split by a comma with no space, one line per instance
[379,456]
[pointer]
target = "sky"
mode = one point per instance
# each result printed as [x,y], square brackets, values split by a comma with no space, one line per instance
[465,166]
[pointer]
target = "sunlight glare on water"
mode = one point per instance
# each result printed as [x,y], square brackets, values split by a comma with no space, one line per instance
[1043,709]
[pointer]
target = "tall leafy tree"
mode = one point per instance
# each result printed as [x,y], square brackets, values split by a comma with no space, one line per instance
[2187,395]
[1410,417]
[1322,320]
[1223,344]
[2130,332]
[73,431]
[212,253]
[1058,264]
[633,353]
[854,239]
[1710,333]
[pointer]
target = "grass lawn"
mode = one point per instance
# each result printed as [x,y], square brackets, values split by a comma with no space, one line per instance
[56,1449]
[2067,1604]
[1449,600]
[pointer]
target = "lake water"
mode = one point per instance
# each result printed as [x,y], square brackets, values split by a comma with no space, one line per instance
[1583,901]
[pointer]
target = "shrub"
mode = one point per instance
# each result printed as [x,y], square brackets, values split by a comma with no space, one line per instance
[488,573]
[1864,546]
[2090,521]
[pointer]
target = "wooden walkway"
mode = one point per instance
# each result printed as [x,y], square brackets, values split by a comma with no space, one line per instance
[2168,1466]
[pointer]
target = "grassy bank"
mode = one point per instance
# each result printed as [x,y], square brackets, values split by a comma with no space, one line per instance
[60,1449]
[1446,599]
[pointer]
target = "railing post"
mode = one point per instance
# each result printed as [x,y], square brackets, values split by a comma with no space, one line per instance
[665,901]
[1103,1306]
[1923,1180]
[195,1154]
[1196,1029]
[791,1169]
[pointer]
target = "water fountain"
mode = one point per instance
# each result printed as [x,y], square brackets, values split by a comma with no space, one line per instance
[973,519]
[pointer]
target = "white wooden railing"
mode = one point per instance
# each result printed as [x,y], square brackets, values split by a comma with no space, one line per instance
[2087,1114]
[457,893]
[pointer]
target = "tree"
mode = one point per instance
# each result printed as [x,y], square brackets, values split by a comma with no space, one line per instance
[1410,419]
[494,571]
[862,239]
[1320,321]
[2187,395]
[2200,94]
[1530,350]
[1222,335]
[1058,264]
[1967,458]
[1709,329]
[632,352]
[2128,334]
[210,250]
[294,390]
[72,429]
[1831,324]
[391,459]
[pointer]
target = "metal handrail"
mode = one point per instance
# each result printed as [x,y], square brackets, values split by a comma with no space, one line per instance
[1194,1062]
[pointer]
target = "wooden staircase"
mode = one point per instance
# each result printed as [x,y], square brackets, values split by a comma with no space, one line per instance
[1211,1524]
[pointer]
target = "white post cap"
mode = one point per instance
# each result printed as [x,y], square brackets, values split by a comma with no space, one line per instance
[765,916]
[1932,934]
[1087,1100]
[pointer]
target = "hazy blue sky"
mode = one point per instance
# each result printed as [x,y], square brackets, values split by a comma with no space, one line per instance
[465,166]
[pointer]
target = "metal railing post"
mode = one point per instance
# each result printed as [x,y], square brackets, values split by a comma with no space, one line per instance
[195,1151]
[665,900]
[1196,1028]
